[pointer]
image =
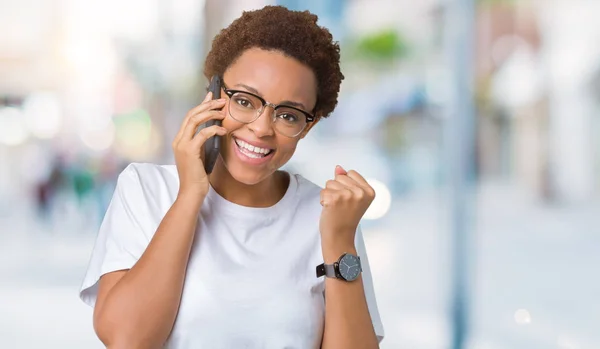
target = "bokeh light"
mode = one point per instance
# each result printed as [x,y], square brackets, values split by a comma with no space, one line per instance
[13,130]
[99,139]
[522,317]
[383,200]
[134,134]
[43,115]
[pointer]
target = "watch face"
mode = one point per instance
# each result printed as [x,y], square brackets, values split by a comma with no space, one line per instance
[349,267]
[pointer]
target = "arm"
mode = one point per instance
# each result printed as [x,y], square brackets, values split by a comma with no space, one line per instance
[348,323]
[347,320]
[137,308]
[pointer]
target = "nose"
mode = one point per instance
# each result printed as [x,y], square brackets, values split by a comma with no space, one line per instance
[263,126]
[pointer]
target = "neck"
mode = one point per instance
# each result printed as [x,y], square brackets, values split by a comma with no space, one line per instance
[263,194]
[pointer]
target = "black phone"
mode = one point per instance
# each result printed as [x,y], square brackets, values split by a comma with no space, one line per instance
[213,144]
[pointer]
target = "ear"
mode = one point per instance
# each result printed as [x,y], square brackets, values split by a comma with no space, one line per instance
[309,127]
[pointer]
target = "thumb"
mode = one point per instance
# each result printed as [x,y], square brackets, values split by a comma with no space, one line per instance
[339,170]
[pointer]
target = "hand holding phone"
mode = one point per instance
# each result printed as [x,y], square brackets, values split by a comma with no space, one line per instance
[194,145]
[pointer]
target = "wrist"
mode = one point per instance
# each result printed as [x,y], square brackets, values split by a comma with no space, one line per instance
[190,199]
[332,252]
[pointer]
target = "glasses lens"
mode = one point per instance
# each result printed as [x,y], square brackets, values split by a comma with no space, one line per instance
[289,121]
[244,107]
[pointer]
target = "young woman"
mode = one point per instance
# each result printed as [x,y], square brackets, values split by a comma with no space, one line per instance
[229,260]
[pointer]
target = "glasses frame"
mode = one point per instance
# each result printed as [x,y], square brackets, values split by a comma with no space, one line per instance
[230,92]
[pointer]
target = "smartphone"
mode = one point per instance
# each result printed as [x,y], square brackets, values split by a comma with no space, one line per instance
[212,145]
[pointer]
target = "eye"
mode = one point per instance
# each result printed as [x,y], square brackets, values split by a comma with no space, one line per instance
[243,102]
[288,117]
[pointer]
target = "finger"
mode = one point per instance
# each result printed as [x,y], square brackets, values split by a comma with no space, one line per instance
[356,188]
[187,117]
[349,184]
[339,170]
[327,197]
[199,119]
[208,97]
[354,178]
[330,196]
[362,182]
[347,181]
[358,178]
[334,185]
[206,133]
[204,106]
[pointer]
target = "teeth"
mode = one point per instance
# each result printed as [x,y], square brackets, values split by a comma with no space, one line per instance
[251,148]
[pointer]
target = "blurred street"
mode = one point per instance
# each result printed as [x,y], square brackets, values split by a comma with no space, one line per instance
[526,294]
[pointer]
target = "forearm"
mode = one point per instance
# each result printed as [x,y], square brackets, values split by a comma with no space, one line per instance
[141,308]
[347,320]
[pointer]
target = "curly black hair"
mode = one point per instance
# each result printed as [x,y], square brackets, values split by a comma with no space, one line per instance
[295,34]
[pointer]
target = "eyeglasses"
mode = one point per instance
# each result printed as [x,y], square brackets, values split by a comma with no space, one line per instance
[246,107]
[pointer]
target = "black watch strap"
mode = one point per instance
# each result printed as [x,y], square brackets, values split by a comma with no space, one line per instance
[326,270]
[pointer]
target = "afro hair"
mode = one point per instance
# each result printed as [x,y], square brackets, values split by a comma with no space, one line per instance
[293,33]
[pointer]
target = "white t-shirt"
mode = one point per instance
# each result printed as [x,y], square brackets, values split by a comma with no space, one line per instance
[250,281]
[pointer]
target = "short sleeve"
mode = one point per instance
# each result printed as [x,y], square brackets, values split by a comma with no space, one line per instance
[123,234]
[368,284]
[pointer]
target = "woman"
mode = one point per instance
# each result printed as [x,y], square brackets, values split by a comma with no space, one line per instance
[186,260]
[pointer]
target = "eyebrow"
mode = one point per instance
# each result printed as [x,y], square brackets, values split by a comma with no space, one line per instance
[286,102]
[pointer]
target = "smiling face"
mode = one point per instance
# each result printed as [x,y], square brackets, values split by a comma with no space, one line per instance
[276,78]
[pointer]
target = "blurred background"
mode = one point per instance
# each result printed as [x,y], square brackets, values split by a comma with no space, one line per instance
[476,122]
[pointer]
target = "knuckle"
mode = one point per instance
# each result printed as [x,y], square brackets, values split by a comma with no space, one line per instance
[200,137]
[193,114]
[371,192]
[197,117]
[337,198]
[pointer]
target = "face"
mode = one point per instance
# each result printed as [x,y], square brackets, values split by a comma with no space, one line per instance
[276,78]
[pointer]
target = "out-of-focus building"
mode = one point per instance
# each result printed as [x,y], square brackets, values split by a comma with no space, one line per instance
[538,112]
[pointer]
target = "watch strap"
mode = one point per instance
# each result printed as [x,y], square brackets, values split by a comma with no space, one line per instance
[326,270]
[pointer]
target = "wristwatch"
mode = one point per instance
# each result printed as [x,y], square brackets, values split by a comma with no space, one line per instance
[347,268]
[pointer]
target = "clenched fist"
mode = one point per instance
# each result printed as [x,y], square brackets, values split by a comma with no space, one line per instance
[345,200]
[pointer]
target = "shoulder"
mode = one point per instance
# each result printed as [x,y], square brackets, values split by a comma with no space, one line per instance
[307,190]
[149,172]
[148,182]
[148,175]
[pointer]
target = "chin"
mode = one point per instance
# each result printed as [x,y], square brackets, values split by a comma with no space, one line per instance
[246,176]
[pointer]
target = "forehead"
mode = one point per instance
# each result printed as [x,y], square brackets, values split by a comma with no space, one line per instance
[276,77]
